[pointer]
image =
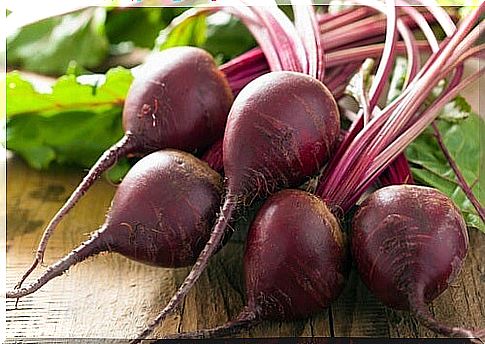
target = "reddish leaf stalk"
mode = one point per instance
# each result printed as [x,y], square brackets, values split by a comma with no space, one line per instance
[344,76]
[441,16]
[385,65]
[309,32]
[247,68]
[260,34]
[396,117]
[399,144]
[422,23]
[412,52]
[398,172]
[408,136]
[343,18]
[283,37]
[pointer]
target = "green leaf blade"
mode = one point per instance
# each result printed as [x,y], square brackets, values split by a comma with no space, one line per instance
[70,126]
[67,94]
[49,46]
[430,167]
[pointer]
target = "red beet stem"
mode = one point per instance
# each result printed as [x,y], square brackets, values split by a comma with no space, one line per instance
[343,18]
[422,313]
[213,157]
[228,211]
[245,320]
[398,172]
[87,249]
[123,147]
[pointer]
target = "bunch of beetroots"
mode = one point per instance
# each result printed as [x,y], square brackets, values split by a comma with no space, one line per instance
[382,137]
[172,209]
[164,209]
[157,114]
[179,100]
[153,200]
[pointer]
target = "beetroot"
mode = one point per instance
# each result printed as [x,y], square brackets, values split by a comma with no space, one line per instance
[409,243]
[161,214]
[280,130]
[180,100]
[295,262]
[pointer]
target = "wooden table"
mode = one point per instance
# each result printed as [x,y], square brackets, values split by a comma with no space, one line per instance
[112,297]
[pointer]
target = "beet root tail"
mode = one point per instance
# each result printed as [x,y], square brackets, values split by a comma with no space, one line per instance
[422,313]
[244,321]
[123,147]
[210,248]
[87,249]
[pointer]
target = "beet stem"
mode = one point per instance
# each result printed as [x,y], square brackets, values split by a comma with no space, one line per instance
[87,249]
[422,313]
[126,145]
[210,248]
[244,321]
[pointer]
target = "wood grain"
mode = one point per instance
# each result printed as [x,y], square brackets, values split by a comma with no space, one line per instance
[110,296]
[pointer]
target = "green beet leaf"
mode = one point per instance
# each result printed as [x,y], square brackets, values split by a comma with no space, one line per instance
[430,167]
[126,24]
[66,138]
[220,34]
[190,31]
[72,125]
[48,46]
[95,93]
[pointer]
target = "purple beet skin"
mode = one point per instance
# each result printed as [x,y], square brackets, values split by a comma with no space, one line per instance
[162,215]
[164,210]
[409,243]
[281,129]
[295,263]
[178,100]
[295,260]
[407,238]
